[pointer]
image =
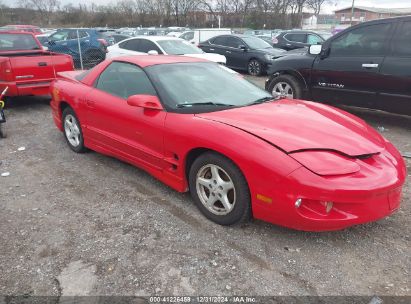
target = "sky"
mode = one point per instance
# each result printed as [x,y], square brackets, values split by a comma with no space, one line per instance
[328,9]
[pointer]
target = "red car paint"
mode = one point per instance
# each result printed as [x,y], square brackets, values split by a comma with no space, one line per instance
[30,72]
[283,148]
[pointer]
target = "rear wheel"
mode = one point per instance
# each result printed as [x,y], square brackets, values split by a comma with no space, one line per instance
[254,67]
[72,131]
[219,189]
[285,86]
[93,57]
[3,133]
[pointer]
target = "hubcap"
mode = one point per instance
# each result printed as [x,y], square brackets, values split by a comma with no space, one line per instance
[283,89]
[215,189]
[72,130]
[254,67]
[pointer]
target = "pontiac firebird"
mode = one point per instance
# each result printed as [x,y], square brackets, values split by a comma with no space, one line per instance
[200,127]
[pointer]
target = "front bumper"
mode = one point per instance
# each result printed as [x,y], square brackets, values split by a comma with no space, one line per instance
[369,195]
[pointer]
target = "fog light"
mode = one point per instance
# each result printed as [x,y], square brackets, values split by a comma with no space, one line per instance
[298,203]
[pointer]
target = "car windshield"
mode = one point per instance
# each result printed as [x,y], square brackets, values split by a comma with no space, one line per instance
[178,47]
[209,86]
[256,43]
[18,42]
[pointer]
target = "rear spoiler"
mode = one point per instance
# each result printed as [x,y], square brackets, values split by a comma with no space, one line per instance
[69,75]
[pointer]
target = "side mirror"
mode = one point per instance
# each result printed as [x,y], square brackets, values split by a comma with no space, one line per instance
[243,47]
[145,101]
[152,52]
[315,49]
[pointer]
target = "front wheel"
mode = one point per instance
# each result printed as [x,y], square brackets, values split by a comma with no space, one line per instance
[254,67]
[219,189]
[285,86]
[72,131]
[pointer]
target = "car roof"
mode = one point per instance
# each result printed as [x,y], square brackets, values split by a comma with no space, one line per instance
[150,60]
[157,38]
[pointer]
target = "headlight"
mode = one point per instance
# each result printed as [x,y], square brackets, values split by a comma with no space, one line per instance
[326,162]
[269,57]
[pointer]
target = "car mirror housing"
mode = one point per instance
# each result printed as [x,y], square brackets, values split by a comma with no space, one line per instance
[243,47]
[145,101]
[315,49]
[152,52]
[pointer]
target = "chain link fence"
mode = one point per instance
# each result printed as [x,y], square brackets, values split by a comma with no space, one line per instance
[83,45]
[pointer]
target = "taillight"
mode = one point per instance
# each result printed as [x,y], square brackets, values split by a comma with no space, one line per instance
[5,70]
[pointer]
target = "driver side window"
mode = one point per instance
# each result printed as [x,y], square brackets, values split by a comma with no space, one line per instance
[363,41]
[124,79]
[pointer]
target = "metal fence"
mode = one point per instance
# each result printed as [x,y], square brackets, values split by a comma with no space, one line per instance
[86,50]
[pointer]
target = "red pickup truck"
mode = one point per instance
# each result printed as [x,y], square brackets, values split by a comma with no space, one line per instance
[26,68]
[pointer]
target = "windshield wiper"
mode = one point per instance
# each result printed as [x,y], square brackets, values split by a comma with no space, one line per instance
[262,100]
[206,103]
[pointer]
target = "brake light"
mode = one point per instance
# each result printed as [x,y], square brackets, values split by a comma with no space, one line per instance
[5,70]
[103,42]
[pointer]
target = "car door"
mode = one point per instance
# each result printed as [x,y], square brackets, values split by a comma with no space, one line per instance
[349,74]
[131,133]
[229,47]
[395,89]
[58,42]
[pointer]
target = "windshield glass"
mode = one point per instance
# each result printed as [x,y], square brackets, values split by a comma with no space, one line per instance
[256,43]
[18,42]
[209,86]
[178,47]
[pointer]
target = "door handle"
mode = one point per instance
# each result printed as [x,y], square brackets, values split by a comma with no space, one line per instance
[211,49]
[370,65]
[42,64]
[228,52]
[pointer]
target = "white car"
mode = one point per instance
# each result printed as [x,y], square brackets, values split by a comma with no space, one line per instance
[160,45]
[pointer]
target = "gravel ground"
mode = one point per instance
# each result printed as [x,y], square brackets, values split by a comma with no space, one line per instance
[87,224]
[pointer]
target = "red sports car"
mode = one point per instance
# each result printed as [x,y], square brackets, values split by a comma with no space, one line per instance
[199,127]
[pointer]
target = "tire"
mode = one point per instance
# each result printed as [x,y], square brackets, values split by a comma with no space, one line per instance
[72,131]
[93,57]
[3,133]
[286,86]
[254,67]
[213,176]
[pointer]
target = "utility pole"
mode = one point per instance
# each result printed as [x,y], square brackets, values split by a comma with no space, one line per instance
[352,12]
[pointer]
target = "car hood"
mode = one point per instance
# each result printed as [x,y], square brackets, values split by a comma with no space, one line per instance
[209,56]
[296,125]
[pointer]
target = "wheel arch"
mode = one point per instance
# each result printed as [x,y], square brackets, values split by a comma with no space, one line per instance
[194,153]
[296,74]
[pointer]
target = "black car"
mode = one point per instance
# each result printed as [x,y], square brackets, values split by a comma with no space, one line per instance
[243,52]
[294,39]
[367,65]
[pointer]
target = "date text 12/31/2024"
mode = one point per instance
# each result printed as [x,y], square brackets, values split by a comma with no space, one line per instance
[202,299]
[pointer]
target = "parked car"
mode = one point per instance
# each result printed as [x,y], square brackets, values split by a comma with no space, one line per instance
[294,39]
[160,45]
[80,43]
[239,152]
[22,28]
[25,67]
[367,65]
[243,52]
[112,38]
[199,35]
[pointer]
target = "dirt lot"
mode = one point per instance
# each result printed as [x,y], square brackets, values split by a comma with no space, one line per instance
[89,224]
